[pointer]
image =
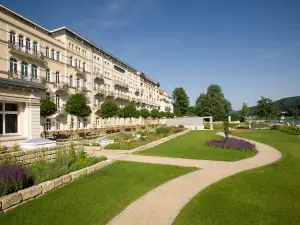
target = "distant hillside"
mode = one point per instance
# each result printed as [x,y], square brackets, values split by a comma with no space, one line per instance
[288,105]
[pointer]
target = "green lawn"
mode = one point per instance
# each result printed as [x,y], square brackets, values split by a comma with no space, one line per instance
[94,199]
[191,146]
[267,195]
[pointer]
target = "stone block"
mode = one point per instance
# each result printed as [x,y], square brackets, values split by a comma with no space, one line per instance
[90,169]
[58,182]
[66,178]
[75,174]
[30,192]
[47,186]
[10,200]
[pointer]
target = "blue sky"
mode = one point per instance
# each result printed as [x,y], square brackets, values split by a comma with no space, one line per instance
[251,48]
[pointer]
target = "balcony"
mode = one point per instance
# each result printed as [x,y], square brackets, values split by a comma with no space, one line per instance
[122,96]
[120,84]
[80,71]
[22,51]
[99,91]
[98,76]
[82,89]
[61,86]
[137,90]
[110,94]
[24,77]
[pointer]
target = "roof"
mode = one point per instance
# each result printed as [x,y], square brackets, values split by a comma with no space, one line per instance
[161,91]
[22,83]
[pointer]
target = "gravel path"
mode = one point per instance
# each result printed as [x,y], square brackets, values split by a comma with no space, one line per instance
[161,205]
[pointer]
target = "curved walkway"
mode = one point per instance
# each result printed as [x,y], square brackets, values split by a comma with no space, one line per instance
[161,205]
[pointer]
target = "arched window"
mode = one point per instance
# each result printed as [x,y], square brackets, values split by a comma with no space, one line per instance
[24,69]
[71,81]
[21,41]
[47,52]
[35,50]
[28,47]
[57,56]
[71,60]
[57,80]
[34,71]
[57,101]
[84,123]
[57,124]
[48,124]
[52,53]
[13,65]
[48,96]
[12,38]
[48,78]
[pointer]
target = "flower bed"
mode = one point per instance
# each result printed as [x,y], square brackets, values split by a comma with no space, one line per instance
[146,138]
[233,143]
[16,177]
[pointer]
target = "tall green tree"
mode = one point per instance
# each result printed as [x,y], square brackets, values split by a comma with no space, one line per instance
[181,102]
[245,110]
[76,105]
[213,103]
[47,108]
[266,108]
[108,109]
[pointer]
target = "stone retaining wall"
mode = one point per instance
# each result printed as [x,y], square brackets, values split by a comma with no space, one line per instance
[29,157]
[150,145]
[14,199]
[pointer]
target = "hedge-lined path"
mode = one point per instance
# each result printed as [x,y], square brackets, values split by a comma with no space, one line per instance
[161,205]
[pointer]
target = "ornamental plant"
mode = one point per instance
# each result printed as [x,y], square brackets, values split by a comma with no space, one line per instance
[232,143]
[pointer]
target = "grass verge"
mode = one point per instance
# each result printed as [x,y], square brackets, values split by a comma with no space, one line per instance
[266,195]
[96,198]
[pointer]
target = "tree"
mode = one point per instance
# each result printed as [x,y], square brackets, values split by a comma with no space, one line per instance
[47,108]
[162,114]
[145,113]
[181,102]
[108,109]
[154,113]
[129,111]
[191,111]
[167,108]
[266,108]
[213,103]
[76,105]
[245,110]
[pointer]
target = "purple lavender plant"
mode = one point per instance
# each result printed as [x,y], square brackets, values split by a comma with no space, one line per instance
[233,143]
[12,178]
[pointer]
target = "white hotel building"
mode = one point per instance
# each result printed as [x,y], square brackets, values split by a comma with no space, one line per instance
[39,63]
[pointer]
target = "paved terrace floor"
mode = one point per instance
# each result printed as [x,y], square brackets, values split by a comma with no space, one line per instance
[161,205]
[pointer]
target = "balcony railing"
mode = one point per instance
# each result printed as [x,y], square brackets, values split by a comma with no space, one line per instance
[61,86]
[22,50]
[122,96]
[80,71]
[120,83]
[98,76]
[24,77]
[110,93]
[99,91]
[82,89]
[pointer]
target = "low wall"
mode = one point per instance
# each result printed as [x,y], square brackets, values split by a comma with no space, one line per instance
[29,157]
[12,200]
[145,147]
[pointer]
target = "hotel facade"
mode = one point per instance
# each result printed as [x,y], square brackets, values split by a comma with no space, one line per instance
[38,63]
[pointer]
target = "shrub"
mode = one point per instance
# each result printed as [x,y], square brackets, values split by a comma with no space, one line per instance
[163,130]
[16,148]
[3,148]
[233,143]
[294,130]
[113,146]
[12,178]
[181,126]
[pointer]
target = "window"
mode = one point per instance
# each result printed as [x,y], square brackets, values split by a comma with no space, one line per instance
[24,69]
[78,123]
[79,63]
[84,123]
[72,124]
[52,53]
[34,71]
[75,62]
[57,101]
[78,82]
[28,44]
[21,41]
[83,65]
[48,96]
[13,65]
[48,124]
[8,118]
[12,38]
[35,50]
[48,76]
[57,124]
[70,45]
[57,81]
[97,122]
[71,60]
[47,52]
[57,56]
[71,81]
